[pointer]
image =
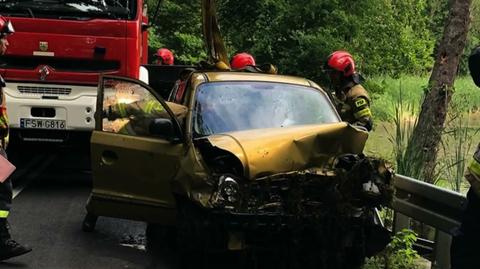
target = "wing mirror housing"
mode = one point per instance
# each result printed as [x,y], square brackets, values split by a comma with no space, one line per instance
[163,128]
[145,26]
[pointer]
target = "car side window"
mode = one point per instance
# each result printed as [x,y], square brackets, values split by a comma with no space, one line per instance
[178,92]
[129,108]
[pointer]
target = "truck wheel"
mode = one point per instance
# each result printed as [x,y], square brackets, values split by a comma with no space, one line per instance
[89,223]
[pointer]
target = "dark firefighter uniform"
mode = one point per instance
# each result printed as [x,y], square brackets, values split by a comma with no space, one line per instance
[6,186]
[464,249]
[465,243]
[8,247]
[353,105]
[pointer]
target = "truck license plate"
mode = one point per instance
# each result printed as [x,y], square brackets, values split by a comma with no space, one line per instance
[42,124]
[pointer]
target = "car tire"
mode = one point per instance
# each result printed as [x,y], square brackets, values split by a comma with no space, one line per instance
[89,223]
[160,235]
[190,240]
[161,243]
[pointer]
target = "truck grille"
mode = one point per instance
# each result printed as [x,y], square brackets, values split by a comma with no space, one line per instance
[44,90]
[59,64]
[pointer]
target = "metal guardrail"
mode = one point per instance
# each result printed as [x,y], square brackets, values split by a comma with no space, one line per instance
[432,205]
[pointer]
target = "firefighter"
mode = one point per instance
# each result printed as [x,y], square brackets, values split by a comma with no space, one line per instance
[246,62]
[141,114]
[8,247]
[465,241]
[164,57]
[352,101]
[242,60]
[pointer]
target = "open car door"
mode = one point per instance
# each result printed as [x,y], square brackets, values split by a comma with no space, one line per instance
[136,149]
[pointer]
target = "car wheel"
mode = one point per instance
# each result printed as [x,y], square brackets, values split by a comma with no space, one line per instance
[161,236]
[161,243]
[191,243]
[89,222]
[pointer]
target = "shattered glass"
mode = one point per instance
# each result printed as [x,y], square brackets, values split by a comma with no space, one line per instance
[235,106]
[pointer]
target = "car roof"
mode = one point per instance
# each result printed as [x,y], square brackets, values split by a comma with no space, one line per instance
[249,76]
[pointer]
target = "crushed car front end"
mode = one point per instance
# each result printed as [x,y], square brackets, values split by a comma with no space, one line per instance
[281,169]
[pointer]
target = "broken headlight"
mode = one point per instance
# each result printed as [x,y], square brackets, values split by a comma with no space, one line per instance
[228,192]
[371,189]
[229,189]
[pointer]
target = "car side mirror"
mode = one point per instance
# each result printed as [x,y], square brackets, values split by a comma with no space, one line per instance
[163,128]
[145,26]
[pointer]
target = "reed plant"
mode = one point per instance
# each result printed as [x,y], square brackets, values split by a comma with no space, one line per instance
[396,110]
[405,119]
[457,147]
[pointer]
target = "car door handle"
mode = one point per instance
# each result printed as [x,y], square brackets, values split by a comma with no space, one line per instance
[109,157]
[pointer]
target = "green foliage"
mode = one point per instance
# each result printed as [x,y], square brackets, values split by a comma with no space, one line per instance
[466,95]
[405,120]
[395,111]
[411,88]
[437,11]
[385,36]
[457,144]
[374,87]
[399,254]
[299,35]
[177,27]
[403,91]
[473,38]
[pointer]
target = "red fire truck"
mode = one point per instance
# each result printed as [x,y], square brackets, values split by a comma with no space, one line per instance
[56,55]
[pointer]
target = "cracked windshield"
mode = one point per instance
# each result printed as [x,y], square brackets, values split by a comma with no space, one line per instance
[236,106]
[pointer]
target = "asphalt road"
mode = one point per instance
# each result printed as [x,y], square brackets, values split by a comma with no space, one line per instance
[51,189]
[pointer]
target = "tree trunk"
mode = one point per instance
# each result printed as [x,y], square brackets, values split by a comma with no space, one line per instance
[424,143]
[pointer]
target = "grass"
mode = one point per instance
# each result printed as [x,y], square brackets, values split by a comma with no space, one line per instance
[466,95]
[461,135]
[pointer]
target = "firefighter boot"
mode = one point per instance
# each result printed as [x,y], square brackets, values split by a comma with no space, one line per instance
[9,248]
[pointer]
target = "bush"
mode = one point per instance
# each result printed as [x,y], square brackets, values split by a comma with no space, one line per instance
[399,254]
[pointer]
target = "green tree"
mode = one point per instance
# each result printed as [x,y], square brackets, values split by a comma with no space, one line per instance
[177,27]
[385,36]
[425,140]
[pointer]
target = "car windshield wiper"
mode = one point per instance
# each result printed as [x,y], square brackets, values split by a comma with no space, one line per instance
[30,12]
[74,18]
[15,9]
[115,10]
[66,9]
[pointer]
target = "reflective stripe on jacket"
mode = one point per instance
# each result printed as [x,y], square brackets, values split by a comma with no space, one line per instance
[355,106]
[473,172]
[150,108]
[474,165]
[145,109]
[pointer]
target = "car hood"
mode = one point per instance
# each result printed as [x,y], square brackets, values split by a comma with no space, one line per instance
[265,152]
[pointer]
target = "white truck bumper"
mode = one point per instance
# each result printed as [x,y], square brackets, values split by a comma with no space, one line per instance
[50,107]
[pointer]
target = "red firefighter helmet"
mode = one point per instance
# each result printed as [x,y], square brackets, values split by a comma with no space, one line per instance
[6,26]
[341,61]
[166,56]
[241,60]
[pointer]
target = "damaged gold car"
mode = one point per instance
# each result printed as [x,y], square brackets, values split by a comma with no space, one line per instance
[236,160]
